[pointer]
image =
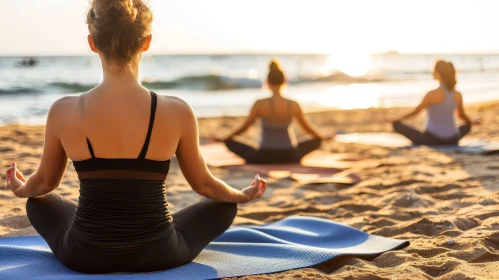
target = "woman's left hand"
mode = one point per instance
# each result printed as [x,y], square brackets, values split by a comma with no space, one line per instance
[477,121]
[214,138]
[15,180]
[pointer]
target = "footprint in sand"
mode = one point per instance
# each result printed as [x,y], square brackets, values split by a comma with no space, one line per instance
[423,227]
[26,155]
[485,216]
[428,252]
[437,268]
[394,184]
[492,241]
[454,195]
[382,222]
[3,196]
[466,223]
[408,201]
[5,149]
[436,189]
[265,214]
[359,208]
[15,222]
[392,259]
[326,199]
[475,255]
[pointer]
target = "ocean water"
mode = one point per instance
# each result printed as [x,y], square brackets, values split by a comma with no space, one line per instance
[227,85]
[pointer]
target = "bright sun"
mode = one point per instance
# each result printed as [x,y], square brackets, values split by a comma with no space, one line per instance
[353,64]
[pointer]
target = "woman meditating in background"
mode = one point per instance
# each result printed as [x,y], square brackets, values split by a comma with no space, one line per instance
[278,142]
[120,137]
[441,105]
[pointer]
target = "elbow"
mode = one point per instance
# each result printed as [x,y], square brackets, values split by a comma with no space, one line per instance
[45,188]
[49,187]
[37,186]
[202,188]
[243,129]
[465,118]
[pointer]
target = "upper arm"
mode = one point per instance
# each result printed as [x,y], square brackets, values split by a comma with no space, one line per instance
[298,114]
[424,103]
[54,159]
[188,153]
[460,105]
[253,115]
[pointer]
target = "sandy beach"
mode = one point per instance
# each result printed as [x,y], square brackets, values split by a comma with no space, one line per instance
[446,205]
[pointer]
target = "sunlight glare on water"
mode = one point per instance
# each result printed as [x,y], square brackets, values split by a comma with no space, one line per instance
[354,96]
[352,64]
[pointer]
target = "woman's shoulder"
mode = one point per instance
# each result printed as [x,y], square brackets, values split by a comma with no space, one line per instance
[263,100]
[435,94]
[62,111]
[64,105]
[293,104]
[173,105]
[170,100]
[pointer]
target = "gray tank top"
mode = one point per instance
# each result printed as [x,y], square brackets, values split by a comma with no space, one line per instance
[277,136]
[441,118]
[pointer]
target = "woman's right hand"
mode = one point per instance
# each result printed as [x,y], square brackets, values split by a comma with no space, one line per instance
[329,137]
[256,189]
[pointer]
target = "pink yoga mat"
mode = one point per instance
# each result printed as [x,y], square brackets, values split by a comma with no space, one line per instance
[317,167]
[301,174]
[217,155]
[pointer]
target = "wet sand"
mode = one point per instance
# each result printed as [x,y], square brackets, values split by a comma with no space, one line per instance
[447,205]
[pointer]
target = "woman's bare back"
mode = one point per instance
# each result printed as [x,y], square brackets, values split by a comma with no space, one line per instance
[116,126]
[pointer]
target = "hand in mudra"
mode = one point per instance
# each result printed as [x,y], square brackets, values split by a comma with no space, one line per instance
[15,180]
[256,189]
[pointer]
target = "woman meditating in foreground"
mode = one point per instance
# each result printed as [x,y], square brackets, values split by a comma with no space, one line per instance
[440,105]
[278,141]
[120,137]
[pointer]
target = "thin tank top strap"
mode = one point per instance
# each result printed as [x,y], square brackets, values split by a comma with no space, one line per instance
[448,94]
[81,106]
[154,101]
[90,148]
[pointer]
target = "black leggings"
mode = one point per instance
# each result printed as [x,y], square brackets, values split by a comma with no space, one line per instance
[252,155]
[192,229]
[424,138]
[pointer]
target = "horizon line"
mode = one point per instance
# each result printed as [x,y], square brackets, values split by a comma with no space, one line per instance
[219,53]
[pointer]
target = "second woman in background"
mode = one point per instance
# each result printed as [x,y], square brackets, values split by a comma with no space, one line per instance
[441,104]
[278,142]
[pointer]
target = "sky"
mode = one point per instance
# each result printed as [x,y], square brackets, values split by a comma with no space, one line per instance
[57,27]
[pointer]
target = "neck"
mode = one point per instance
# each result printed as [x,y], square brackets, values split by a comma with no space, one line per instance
[120,77]
[276,93]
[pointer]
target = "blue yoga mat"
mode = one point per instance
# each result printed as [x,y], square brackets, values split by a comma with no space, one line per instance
[294,242]
[395,140]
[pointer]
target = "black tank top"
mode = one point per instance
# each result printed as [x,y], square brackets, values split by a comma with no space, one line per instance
[122,201]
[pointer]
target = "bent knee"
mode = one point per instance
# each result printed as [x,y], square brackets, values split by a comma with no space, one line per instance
[318,142]
[230,209]
[397,125]
[33,203]
[227,210]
